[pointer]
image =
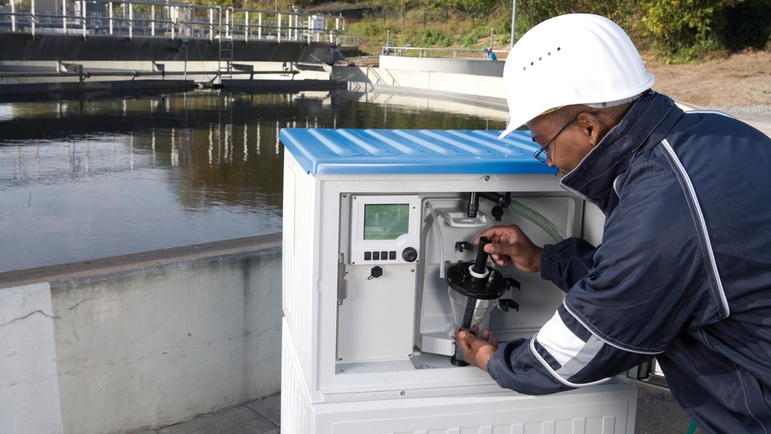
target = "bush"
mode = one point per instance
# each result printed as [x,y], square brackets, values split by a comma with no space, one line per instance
[680,28]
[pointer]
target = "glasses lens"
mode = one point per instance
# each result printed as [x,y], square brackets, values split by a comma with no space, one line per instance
[540,155]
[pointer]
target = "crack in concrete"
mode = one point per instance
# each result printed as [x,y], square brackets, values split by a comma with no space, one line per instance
[81,302]
[27,316]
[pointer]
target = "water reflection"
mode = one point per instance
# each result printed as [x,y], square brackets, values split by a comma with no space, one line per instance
[92,178]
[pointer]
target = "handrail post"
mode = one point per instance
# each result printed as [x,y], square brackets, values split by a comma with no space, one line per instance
[174,22]
[278,33]
[131,20]
[13,16]
[227,23]
[109,5]
[33,18]
[211,24]
[64,15]
[83,17]
[259,25]
[246,29]
[152,20]
[310,28]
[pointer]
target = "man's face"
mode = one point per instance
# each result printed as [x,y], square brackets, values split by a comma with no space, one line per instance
[567,143]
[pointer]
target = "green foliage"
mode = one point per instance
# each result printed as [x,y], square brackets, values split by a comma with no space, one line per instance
[680,29]
[743,24]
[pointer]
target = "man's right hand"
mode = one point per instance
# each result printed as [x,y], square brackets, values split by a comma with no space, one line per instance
[511,245]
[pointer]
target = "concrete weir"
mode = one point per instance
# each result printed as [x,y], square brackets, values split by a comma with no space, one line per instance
[23,46]
[138,341]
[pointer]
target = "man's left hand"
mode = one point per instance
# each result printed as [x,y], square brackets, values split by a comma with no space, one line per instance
[476,350]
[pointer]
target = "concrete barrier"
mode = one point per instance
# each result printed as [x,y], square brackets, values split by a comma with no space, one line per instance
[411,75]
[482,67]
[138,341]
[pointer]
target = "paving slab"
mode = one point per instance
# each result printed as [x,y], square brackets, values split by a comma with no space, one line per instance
[658,413]
[269,408]
[240,420]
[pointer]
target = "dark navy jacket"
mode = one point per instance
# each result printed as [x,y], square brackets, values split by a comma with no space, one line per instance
[683,273]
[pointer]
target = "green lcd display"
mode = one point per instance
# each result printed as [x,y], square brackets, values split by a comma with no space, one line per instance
[386,221]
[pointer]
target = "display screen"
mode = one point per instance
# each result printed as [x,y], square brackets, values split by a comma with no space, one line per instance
[386,221]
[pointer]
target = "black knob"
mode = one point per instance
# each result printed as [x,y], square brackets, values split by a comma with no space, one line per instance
[410,254]
[376,272]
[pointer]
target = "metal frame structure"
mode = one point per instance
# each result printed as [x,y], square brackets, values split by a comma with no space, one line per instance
[176,20]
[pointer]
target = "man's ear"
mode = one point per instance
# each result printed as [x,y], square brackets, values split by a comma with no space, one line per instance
[591,127]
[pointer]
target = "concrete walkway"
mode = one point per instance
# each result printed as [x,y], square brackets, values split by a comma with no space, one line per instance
[657,413]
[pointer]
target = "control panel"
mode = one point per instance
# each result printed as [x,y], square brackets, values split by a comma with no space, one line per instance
[384,229]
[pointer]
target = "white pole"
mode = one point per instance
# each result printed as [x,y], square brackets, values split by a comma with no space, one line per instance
[64,14]
[33,18]
[131,20]
[109,5]
[513,20]
[246,30]
[152,20]
[83,16]
[13,15]
[278,33]
[259,25]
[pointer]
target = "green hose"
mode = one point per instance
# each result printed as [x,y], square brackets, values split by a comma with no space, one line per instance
[535,217]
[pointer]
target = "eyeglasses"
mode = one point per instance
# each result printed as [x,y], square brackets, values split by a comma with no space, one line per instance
[540,154]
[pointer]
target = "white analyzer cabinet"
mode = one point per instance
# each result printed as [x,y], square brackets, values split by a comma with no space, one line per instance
[373,221]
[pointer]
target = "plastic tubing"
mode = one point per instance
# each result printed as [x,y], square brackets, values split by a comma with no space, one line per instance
[439,236]
[535,217]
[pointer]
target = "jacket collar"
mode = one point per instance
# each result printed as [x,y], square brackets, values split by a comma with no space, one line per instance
[652,115]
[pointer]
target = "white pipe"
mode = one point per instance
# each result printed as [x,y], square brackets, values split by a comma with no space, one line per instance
[439,237]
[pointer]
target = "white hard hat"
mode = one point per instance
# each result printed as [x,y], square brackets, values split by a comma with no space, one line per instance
[572,59]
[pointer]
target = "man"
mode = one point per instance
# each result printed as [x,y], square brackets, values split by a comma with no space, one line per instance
[684,270]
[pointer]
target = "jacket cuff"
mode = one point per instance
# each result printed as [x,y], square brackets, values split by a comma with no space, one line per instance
[546,262]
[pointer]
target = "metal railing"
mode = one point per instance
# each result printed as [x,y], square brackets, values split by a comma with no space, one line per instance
[465,53]
[174,20]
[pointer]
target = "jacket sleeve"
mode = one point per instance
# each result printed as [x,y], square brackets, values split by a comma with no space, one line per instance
[646,284]
[567,262]
[562,356]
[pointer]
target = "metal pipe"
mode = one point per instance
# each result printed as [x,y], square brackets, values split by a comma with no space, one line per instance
[152,20]
[83,16]
[131,20]
[128,73]
[513,20]
[33,19]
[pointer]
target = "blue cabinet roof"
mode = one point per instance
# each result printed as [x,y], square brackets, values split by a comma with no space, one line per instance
[369,151]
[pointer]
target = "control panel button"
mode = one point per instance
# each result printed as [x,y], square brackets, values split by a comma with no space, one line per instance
[410,254]
[392,255]
[367,256]
[375,256]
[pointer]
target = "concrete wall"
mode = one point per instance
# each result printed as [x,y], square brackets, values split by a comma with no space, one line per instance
[479,87]
[22,46]
[138,341]
[436,64]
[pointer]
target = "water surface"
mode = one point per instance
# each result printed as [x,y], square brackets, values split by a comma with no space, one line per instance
[92,178]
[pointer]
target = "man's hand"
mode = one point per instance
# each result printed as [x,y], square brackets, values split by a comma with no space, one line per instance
[511,245]
[476,351]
